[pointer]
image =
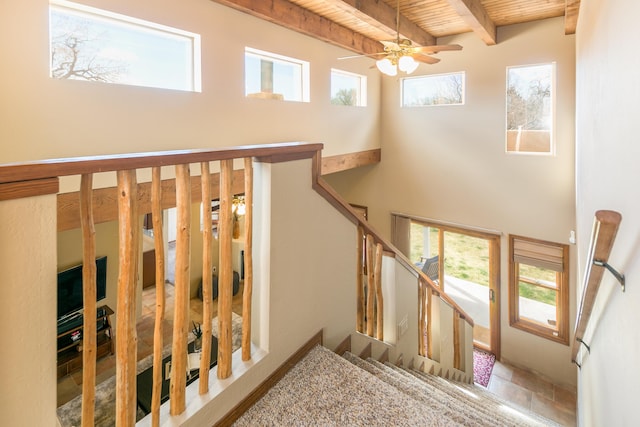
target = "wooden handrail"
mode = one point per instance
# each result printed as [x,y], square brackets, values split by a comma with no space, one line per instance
[325,190]
[605,228]
[42,169]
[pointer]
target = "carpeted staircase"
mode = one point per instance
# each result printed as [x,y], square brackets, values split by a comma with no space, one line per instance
[326,389]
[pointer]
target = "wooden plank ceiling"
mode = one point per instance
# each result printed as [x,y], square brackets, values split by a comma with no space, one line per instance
[359,25]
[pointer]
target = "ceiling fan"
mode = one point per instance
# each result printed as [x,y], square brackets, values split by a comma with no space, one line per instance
[403,54]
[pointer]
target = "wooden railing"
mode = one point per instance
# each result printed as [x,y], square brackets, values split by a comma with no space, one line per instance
[38,178]
[605,228]
[370,303]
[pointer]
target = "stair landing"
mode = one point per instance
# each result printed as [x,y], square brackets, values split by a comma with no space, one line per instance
[529,391]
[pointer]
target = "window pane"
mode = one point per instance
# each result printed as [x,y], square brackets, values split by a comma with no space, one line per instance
[95,45]
[530,108]
[272,76]
[347,88]
[537,295]
[443,89]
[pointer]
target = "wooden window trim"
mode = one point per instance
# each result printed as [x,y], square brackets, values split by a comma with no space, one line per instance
[562,299]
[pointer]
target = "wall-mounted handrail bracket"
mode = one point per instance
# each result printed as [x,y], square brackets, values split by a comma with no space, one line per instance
[618,276]
[584,344]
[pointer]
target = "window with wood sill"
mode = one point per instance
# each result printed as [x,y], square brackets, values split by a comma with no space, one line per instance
[539,287]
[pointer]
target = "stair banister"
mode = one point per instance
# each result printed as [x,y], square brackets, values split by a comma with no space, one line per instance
[36,178]
[605,228]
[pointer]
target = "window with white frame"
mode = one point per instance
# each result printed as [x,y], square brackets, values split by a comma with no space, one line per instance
[97,45]
[530,108]
[438,89]
[272,76]
[348,88]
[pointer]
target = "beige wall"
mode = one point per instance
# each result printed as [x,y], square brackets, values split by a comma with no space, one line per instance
[304,258]
[607,89]
[45,118]
[449,163]
[28,312]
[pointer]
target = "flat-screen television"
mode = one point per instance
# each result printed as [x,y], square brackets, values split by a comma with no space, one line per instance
[70,287]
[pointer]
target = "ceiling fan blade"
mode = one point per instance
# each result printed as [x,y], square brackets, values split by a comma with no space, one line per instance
[363,56]
[438,48]
[425,58]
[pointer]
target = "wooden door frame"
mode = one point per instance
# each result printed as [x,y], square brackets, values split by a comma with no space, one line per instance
[493,238]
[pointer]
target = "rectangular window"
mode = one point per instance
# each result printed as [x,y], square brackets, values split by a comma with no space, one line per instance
[272,76]
[348,88]
[530,109]
[539,287]
[440,89]
[96,45]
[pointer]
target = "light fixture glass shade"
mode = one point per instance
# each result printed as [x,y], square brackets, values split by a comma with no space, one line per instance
[407,64]
[387,67]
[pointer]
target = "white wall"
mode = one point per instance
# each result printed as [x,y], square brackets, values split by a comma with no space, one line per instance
[607,89]
[45,118]
[449,163]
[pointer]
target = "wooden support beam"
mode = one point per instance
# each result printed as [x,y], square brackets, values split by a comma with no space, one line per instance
[456,340]
[247,293]
[177,387]
[89,290]
[342,162]
[158,239]
[126,336]
[371,284]
[105,207]
[360,303]
[571,12]
[377,274]
[225,278]
[429,323]
[476,17]
[382,16]
[422,317]
[207,278]
[299,19]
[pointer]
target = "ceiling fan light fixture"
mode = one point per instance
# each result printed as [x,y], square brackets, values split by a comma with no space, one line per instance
[387,67]
[407,64]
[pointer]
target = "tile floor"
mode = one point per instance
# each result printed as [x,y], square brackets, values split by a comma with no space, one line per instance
[512,384]
[532,392]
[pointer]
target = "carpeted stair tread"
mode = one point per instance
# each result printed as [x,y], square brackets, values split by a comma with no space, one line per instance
[481,412]
[325,389]
[459,403]
[419,391]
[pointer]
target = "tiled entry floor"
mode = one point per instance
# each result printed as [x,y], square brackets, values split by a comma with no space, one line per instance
[529,391]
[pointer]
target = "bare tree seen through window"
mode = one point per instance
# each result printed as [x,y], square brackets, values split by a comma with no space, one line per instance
[529,108]
[77,51]
[443,89]
[345,97]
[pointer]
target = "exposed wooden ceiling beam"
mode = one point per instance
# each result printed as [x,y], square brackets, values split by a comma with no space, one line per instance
[571,9]
[475,15]
[382,16]
[294,17]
